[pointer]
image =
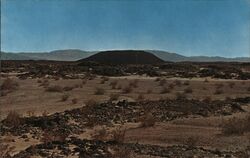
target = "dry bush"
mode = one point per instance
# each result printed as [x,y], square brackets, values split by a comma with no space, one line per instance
[207,99]
[186,83]
[114,97]
[84,81]
[162,82]
[99,91]
[119,87]
[68,88]
[90,102]
[127,89]
[122,152]
[9,84]
[231,84]
[218,91]
[171,86]
[5,149]
[45,83]
[248,89]
[157,79]
[140,97]
[74,100]
[53,135]
[191,141]
[188,90]
[30,113]
[177,82]
[13,119]
[134,83]
[118,135]
[147,120]
[219,85]
[113,84]
[65,97]
[54,88]
[165,90]
[100,134]
[180,96]
[149,91]
[236,126]
[39,81]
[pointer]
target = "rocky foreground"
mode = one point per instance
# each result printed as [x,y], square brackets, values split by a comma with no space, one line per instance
[73,122]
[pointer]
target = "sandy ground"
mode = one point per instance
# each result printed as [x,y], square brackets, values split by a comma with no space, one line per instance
[30,97]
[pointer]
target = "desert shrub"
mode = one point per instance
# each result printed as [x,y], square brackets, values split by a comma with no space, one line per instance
[171,86]
[235,126]
[30,113]
[67,88]
[122,152]
[218,91]
[127,89]
[53,135]
[39,81]
[45,83]
[177,82]
[186,83]
[9,84]
[147,120]
[162,82]
[206,80]
[99,91]
[191,141]
[165,90]
[54,88]
[149,91]
[90,102]
[113,84]
[188,90]
[231,84]
[134,83]
[157,79]
[140,97]
[219,85]
[13,119]
[64,97]
[118,135]
[114,97]
[207,99]
[119,87]
[74,100]
[248,89]
[180,96]
[84,81]
[100,134]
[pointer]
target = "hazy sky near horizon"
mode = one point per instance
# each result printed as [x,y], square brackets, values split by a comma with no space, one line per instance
[187,27]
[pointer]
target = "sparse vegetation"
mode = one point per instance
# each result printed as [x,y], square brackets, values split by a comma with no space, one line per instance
[236,126]
[9,85]
[118,135]
[148,120]
[127,89]
[64,97]
[54,88]
[113,84]
[114,96]
[99,91]
[165,90]
[74,100]
[188,90]
[13,119]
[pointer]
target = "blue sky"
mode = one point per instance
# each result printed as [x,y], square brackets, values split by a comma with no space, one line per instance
[187,27]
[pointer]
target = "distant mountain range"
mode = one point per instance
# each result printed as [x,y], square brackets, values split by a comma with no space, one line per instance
[76,54]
